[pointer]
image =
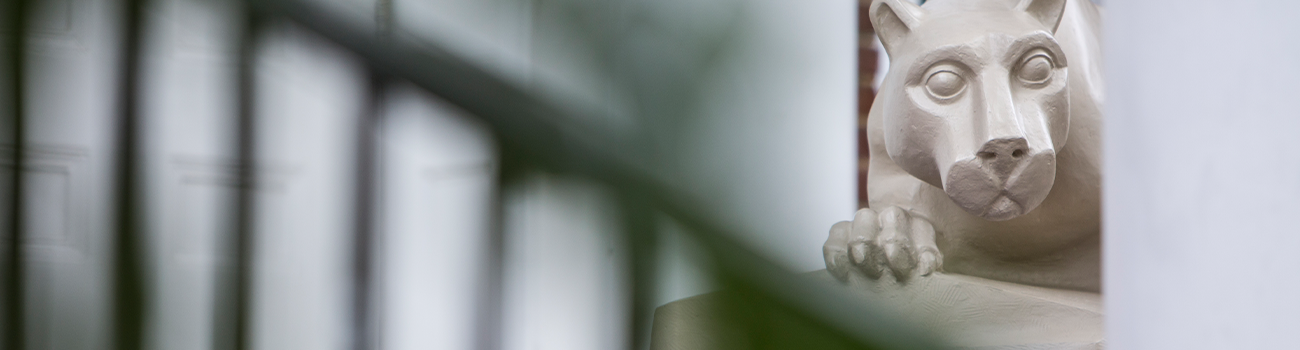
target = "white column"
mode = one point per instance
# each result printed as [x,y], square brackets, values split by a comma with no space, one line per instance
[1202,184]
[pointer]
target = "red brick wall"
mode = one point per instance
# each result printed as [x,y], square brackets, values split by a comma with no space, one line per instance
[867,57]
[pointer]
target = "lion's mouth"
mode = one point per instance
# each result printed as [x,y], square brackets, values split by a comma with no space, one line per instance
[999,193]
[1002,208]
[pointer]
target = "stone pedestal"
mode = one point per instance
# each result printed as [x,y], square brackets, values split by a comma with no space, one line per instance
[970,312]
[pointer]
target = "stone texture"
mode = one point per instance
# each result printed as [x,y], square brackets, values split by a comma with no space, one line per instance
[969,312]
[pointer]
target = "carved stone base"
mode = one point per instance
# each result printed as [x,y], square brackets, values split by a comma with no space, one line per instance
[971,312]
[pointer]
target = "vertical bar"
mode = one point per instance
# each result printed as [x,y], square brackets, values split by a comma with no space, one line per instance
[639,223]
[231,326]
[365,305]
[488,324]
[245,198]
[128,264]
[14,337]
[363,310]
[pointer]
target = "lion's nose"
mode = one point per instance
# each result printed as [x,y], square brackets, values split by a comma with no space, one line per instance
[1004,155]
[1005,179]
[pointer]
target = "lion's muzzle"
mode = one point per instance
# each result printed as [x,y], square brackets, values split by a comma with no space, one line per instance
[1004,179]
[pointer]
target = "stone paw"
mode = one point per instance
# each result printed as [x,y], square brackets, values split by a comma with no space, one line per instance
[890,240]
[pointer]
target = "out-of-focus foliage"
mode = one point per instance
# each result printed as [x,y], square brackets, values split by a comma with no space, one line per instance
[648,64]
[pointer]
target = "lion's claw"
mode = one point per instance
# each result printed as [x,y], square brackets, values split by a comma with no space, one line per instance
[875,242]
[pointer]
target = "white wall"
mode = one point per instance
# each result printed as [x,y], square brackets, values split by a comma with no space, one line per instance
[1201,190]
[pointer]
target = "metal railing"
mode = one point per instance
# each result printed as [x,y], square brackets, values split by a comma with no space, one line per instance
[533,134]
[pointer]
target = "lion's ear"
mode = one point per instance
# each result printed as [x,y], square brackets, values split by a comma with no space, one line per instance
[893,20]
[1049,12]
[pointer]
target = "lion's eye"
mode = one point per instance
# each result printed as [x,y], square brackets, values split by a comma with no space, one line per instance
[944,84]
[1036,69]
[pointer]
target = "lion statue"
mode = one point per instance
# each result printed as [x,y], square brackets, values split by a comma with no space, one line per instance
[985,146]
[985,150]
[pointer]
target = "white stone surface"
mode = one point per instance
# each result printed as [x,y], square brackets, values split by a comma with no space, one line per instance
[1201,167]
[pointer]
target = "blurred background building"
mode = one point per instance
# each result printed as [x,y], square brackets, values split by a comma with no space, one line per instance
[748,105]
